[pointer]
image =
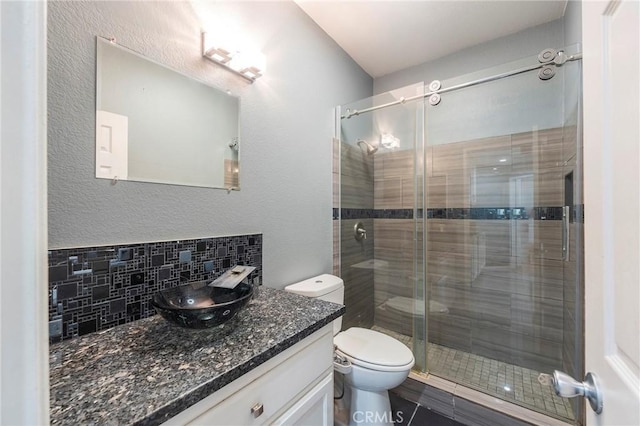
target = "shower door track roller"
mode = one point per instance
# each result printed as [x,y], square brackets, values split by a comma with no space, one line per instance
[547,71]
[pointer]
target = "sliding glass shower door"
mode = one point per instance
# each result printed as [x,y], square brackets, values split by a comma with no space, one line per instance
[380,211]
[458,223]
[503,237]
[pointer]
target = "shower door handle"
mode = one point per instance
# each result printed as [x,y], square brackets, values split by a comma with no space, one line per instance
[566,215]
[567,387]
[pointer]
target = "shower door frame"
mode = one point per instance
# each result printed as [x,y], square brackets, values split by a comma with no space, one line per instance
[421,213]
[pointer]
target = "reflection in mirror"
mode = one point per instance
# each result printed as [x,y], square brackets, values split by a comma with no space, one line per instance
[154,124]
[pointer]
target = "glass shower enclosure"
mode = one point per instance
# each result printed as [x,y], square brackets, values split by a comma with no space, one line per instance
[458,225]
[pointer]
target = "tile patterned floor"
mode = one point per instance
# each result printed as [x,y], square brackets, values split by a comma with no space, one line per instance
[508,382]
[406,413]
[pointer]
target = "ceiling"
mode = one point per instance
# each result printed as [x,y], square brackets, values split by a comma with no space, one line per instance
[387,36]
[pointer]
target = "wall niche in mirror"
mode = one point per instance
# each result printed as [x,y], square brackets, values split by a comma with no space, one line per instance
[154,124]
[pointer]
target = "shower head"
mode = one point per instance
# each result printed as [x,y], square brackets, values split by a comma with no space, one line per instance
[370,148]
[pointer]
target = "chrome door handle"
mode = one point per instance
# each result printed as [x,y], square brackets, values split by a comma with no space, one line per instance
[566,215]
[568,387]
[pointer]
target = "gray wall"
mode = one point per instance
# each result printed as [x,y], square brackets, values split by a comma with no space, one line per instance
[516,103]
[561,32]
[286,127]
[573,22]
[486,55]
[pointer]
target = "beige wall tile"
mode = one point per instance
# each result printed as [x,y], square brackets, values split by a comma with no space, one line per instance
[570,143]
[543,280]
[446,158]
[539,239]
[487,152]
[378,165]
[428,152]
[436,194]
[548,239]
[398,163]
[457,190]
[537,150]
[495,239]
[412,192]
[473,154]
[336,190]
[537,317]
[356,192]
[335,146]
[355,162]
[490,188]
[388,193]
[549,188]
[358,281]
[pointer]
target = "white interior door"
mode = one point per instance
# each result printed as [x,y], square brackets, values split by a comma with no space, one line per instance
[611,62]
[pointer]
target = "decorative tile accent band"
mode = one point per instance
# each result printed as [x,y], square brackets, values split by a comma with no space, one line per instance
[474,213]
[375,213]
[96,288]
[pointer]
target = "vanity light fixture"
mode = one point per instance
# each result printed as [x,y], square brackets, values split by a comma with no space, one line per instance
[246,63]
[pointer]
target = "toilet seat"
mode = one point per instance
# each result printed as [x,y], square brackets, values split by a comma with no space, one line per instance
[373,350]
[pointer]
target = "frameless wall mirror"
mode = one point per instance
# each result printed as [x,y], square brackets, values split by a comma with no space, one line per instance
[154,124]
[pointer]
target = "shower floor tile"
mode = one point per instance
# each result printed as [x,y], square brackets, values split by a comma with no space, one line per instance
[511,383]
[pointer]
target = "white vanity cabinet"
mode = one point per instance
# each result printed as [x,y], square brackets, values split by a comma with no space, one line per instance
[293,388]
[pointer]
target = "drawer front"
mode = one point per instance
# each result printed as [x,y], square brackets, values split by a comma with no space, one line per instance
[315,408]
[274,390]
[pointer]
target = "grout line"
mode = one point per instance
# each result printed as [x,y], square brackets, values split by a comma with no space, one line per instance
[415,410]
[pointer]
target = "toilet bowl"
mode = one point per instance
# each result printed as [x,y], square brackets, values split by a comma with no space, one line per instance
[372,362]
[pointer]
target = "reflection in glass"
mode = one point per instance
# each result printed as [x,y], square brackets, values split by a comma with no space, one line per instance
[154,124]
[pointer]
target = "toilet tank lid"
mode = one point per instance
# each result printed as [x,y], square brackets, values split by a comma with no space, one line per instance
[316,286]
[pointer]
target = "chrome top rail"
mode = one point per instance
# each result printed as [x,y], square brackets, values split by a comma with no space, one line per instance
[575,57]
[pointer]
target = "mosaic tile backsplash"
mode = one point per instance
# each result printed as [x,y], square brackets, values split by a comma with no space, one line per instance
[96,288]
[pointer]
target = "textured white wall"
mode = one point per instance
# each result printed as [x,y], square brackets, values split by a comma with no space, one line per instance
[286,129]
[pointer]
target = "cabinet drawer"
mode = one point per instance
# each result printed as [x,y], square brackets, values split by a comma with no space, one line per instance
[315,408]
[273,391]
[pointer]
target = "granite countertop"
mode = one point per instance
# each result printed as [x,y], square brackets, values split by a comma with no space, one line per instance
[150,370]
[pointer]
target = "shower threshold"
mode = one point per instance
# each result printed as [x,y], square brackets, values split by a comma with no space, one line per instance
[511,383]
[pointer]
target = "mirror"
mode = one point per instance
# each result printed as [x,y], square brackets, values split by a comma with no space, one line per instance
[154,124]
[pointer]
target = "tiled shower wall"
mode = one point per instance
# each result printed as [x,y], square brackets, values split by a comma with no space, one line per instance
[355,177]
[494,245]
[96,288]
[395,236]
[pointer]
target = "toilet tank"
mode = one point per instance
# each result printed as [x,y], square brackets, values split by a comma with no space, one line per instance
[324,287]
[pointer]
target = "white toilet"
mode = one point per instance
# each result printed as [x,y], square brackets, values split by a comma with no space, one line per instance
[375,362]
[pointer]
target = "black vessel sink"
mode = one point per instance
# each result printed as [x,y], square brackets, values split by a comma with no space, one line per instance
[197,305]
